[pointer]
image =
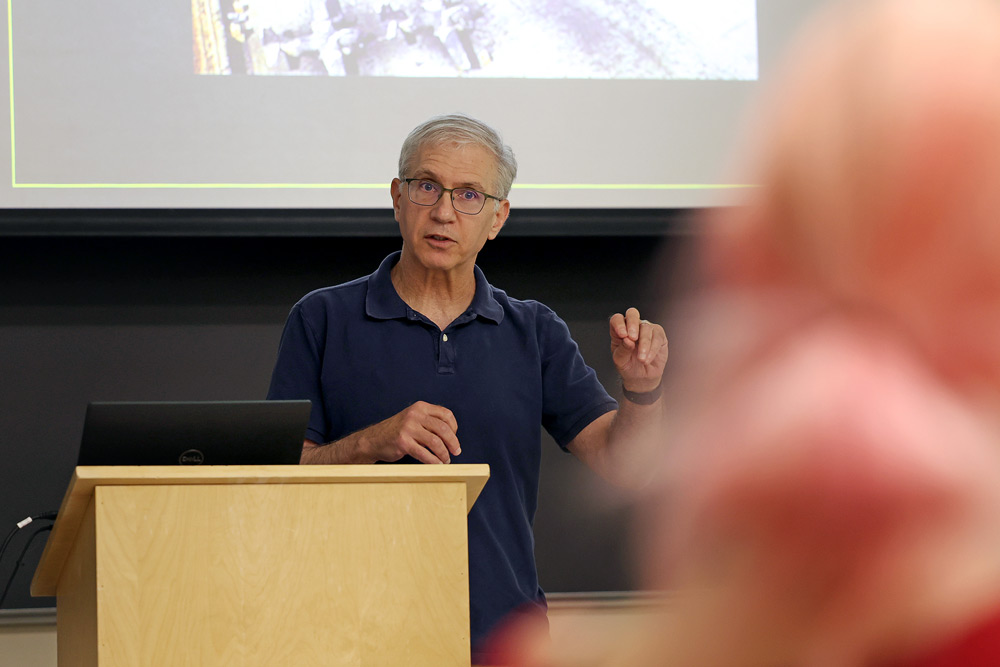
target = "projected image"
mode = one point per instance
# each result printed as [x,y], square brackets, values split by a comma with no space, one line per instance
[544,39]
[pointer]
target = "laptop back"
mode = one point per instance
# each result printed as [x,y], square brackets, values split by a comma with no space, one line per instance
[193,433]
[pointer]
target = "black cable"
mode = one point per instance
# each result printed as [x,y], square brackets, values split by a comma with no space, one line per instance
[44,516]
[7,540]
[20,560]
[47,516]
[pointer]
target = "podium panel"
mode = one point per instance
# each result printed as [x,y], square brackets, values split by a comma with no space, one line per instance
[321,565]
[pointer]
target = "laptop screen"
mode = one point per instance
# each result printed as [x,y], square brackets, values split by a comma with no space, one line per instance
[194,433]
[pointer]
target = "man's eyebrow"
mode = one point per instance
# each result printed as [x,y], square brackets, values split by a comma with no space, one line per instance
[426,174]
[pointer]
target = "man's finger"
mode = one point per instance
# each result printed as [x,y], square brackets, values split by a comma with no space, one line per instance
[423,454]
[632,322]
[444,432]
[435,445]
[444,425]
[618,328]
[443,414]
[661,346]
[645,340]
[622,354]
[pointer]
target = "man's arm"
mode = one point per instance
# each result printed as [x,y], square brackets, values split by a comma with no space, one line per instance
[614,444]
[424,431]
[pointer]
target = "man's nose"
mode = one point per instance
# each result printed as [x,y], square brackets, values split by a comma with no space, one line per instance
[444,208]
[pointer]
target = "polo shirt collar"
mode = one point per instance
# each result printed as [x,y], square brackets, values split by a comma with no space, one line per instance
[384,303]
[483,303]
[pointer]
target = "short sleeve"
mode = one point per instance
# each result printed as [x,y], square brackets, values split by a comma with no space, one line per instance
[572,396]
[297,369]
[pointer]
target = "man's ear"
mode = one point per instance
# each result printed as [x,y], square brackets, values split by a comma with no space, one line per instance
[396,190]
[499,219]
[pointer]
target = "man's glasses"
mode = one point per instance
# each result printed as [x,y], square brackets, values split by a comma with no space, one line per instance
[427,193]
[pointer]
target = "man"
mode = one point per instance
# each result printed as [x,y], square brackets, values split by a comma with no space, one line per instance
[425,361]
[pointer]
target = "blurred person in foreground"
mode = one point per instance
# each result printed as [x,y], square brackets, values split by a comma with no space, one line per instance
[832,492]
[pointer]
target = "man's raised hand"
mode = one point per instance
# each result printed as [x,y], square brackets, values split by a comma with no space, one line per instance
[639,350]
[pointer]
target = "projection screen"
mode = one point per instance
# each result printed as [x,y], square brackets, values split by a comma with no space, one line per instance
[302,104]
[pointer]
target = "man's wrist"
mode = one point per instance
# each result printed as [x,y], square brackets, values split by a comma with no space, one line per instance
[643,397]
[364,448]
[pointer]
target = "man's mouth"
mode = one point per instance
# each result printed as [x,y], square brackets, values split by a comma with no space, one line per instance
[437,237]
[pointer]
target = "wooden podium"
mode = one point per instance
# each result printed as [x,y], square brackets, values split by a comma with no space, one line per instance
[262,565]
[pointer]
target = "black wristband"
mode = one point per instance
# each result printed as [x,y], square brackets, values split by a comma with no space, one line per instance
[643,397]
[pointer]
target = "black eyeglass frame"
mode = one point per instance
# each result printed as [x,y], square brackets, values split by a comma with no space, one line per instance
[407,181]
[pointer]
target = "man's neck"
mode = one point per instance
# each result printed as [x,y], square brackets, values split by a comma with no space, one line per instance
[439,296]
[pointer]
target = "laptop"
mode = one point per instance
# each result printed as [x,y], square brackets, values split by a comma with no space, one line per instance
[193,433]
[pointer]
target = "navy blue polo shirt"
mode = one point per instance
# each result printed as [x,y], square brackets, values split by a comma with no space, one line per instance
[504,367]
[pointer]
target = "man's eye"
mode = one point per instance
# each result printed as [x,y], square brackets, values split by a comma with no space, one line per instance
[468,195]
[428,186]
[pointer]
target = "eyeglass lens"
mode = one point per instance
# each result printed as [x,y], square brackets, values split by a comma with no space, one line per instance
[427,193]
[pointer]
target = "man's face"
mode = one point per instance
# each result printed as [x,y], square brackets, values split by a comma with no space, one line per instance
[437,237]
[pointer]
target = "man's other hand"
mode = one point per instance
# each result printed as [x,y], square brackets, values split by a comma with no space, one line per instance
[639,350]
[425,431]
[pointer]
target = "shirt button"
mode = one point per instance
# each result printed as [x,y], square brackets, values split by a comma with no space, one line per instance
[444,337]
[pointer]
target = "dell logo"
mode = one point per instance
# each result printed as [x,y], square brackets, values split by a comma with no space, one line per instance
[191,457]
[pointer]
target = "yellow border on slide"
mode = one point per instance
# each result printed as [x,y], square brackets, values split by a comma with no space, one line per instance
[10,80]
[293,186]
